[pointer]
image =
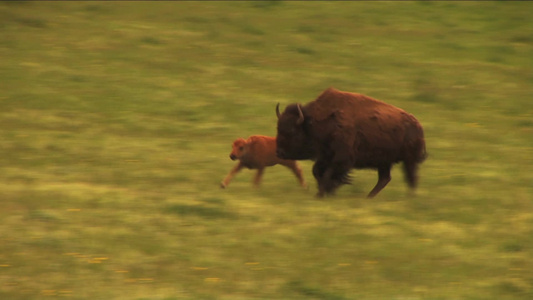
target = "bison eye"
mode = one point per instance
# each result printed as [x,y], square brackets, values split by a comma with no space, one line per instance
[241,148]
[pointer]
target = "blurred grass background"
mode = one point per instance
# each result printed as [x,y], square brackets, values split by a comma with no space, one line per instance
[116,121]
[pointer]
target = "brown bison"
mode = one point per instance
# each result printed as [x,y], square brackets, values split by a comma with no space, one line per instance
[258,152]
[341,131]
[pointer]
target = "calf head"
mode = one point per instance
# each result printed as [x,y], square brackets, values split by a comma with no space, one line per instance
[239,149]
[292,140]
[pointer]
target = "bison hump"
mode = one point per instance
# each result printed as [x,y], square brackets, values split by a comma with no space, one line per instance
[345,105]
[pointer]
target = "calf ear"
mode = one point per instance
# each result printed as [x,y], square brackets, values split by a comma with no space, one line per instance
[250,140]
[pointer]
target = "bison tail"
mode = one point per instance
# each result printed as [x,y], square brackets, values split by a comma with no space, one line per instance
[422,155]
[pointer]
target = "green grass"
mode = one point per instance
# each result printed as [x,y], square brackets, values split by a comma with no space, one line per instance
[116,121]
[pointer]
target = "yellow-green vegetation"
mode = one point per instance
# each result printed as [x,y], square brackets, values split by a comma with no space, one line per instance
[116,121]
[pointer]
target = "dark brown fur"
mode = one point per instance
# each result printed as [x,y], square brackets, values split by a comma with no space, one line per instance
[258,152]
[341,131]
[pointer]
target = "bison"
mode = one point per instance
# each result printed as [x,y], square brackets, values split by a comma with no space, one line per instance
[342,130]
[259,152]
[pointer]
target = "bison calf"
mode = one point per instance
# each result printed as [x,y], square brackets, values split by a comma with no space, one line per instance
[258,152]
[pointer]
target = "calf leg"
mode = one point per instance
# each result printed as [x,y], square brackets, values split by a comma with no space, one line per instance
[258,175]
[230,175]
[383,179]
[296,170]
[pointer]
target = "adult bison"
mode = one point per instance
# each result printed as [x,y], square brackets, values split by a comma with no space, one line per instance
[342,130]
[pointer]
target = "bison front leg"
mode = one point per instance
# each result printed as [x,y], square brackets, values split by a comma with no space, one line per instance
[319,169]
[230,175]
[330,175]
[383,179]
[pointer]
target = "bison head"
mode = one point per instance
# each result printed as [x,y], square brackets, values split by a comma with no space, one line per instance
[293,140]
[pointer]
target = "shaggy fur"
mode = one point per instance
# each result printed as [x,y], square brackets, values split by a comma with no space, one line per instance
[258,152]
[341,131]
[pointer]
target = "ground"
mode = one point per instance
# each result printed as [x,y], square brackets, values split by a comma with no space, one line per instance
[117,121]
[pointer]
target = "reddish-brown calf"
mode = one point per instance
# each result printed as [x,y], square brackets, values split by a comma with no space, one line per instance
[258,152]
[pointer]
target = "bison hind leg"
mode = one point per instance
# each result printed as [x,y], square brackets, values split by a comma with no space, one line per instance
[383,179]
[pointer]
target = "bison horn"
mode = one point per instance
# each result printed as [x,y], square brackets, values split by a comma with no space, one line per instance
[277,110]
[301,118]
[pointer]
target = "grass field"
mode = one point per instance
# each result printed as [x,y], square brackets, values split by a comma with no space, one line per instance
[116,122]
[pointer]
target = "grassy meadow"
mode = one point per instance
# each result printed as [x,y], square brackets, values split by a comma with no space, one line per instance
[117,118]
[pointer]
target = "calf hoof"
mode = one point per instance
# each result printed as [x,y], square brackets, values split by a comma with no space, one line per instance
[222,185]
